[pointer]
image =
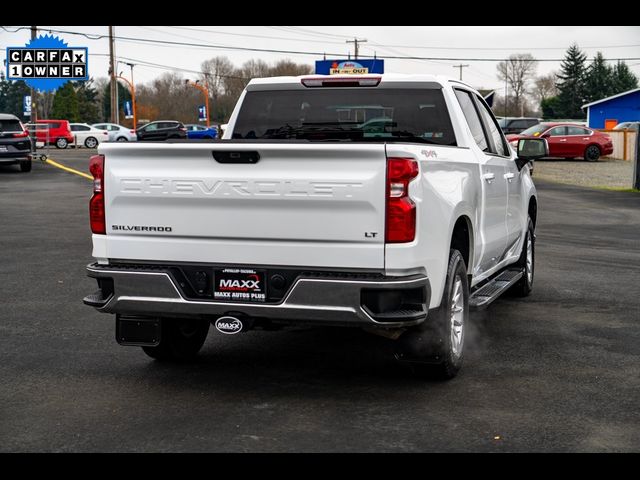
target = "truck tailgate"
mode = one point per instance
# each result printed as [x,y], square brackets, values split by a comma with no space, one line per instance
[312,205]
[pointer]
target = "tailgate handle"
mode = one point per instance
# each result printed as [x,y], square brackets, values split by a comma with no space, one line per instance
[236,157]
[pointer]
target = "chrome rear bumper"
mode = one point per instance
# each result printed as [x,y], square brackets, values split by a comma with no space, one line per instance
[326,300]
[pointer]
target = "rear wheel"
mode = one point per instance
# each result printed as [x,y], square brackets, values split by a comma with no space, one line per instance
[25,165]
[527,263]
[592,153]
[62,143]
[122,139]
[435,348]
[180,339]
[91,142]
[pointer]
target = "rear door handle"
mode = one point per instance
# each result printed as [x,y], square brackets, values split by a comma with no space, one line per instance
[509,176]
[563,139]
[489,177]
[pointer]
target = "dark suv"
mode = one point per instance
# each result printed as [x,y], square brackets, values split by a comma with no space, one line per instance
[161,130]
[15,143]
[517,124]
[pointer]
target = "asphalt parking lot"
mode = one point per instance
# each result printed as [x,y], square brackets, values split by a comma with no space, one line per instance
[558,371]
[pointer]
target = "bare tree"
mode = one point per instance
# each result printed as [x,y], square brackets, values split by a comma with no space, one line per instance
[517,70]
[168,97]
[215,70]
[544,87]
[287,67]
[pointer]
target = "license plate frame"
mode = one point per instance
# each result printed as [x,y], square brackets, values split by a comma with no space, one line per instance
[242,285]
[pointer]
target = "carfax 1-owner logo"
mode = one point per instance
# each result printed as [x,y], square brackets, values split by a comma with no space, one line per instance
[47,62]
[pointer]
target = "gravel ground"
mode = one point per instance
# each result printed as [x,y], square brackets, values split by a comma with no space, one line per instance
[604,173]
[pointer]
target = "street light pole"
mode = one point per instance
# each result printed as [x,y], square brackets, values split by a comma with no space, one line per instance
[133,98]
[112,77]
[205,91]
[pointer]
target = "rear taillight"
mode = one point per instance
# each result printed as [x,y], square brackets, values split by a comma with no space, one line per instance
[96,204]
[21,135]
[401,211]
[132,132]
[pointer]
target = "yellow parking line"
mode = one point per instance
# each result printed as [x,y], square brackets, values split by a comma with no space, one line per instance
[67,169]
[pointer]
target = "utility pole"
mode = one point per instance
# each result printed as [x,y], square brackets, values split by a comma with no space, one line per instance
[34,111]
[356,42]
[112,74]
[460,67]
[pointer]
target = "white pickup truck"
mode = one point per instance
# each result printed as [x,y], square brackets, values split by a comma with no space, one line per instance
[388,202]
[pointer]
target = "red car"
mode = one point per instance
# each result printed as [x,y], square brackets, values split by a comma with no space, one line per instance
[568,140]
[59,132]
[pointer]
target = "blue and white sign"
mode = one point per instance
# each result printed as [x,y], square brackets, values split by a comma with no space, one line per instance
[26,105]
[128,112]
[47,63]
[202,113]
[349,67]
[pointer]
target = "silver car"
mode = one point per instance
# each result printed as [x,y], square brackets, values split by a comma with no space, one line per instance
[117,133]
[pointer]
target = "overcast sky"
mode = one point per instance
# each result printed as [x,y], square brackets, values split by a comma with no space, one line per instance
[466,43]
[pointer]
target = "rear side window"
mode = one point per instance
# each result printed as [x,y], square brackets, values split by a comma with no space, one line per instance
[577,131]
[346,114]
[10,126]
[558,132]
[499,146]
[473,119]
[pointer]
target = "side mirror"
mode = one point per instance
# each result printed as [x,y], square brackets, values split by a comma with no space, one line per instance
[531,149]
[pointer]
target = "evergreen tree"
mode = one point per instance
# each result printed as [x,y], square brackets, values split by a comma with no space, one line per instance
[12,98]
[65,104]
[571,84]
[550,108]
[623,79]
[123,95]
[87,102]
[599,80]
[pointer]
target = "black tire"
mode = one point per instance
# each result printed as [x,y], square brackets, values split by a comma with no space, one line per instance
[62,143]
[525,284]
[180,339]
[592,153]
[122,139]
[429,348]
[91,142]
[25,166]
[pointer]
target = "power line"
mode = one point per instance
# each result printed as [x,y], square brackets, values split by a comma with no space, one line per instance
[244,35]
[294,52]
[305,31]
[422,47]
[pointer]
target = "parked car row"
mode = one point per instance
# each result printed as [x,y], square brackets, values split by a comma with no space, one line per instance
[170,130]
[61,133]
